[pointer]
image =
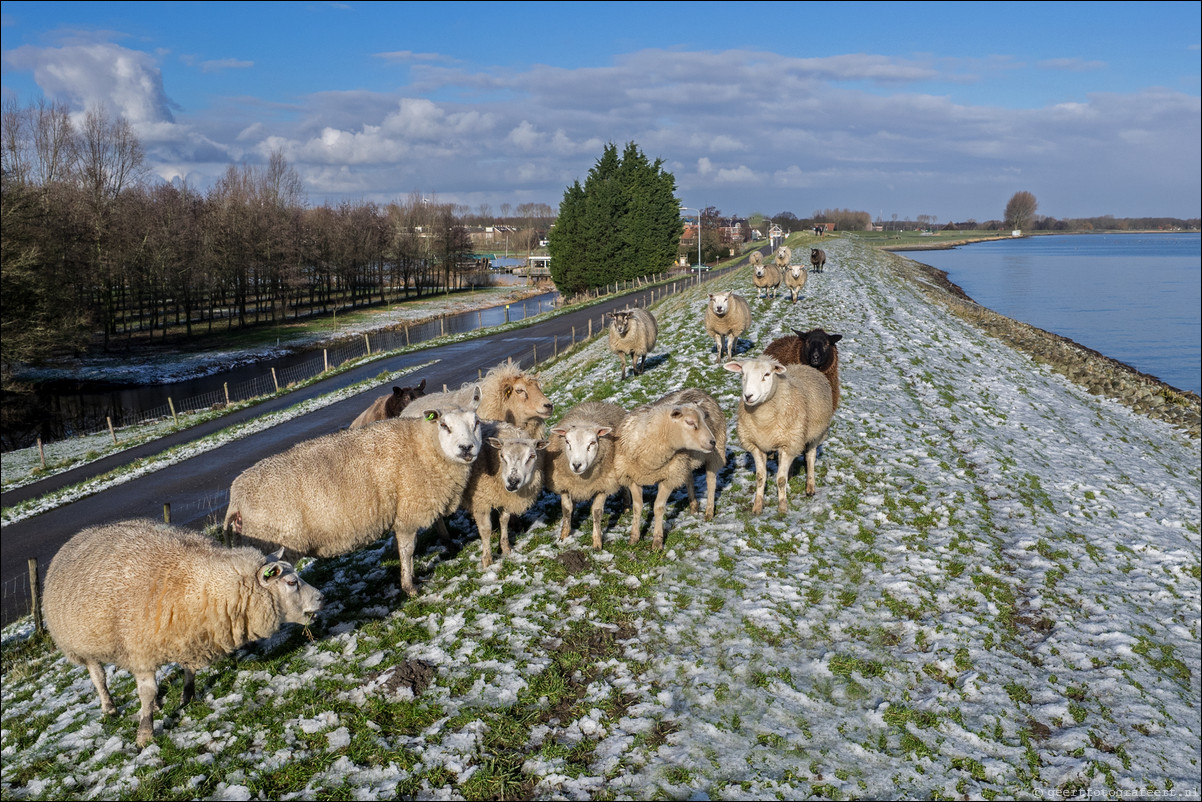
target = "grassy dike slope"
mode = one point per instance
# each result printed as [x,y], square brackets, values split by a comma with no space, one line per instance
[995,593]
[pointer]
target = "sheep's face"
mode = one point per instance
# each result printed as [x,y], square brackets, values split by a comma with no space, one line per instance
[621,323]
[518,460]
[296,600]
[458,433]
[720,301]
[759,271]
[818,347]
[401,397]
[582,445]
[795,271]
[692,431]
[525,399]
[759,378]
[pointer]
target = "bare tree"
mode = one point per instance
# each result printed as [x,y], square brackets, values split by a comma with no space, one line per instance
[1020,211]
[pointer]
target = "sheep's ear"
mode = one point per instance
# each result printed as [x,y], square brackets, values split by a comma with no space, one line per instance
[539,445]
[734,367]
[779,369]
[559,430]
[432,415]
[421,386]
[495,442]
[677,412]
[605,431]
[278,556]
[834,338]
[799,333]
[269,572]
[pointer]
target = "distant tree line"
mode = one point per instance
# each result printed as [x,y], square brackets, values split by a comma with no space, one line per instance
[94,253]
[622,223]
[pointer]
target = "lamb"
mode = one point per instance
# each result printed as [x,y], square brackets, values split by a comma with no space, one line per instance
[140,595]
[508,476]
[784,255]
[389,406]
[782,409]
[663,443]
[795,280]
[633,331]
[817,259]
[815,348]
[766,279]
[727,316]
[580,460]
[337,493]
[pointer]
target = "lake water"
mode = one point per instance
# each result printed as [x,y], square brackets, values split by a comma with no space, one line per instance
[1132,297]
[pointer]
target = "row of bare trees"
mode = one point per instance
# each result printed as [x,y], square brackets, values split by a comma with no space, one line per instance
[94,254]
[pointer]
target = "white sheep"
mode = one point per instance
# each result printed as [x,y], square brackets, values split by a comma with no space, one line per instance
[784,255]
[580,461]
[633,331]
[795,280]
[508,476]
[766,278]
[466,397]
[662,443]
[509,394]
[337,493]
[140,595]
[786,410]
[389,406]
[727,316]
[756,258]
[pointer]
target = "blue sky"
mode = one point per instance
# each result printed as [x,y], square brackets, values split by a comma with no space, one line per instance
[896,109]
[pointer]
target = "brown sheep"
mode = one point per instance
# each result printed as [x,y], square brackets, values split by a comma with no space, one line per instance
[389,406]
[818,259]
[815,348]
[662,443]
[140,595]
[337,493]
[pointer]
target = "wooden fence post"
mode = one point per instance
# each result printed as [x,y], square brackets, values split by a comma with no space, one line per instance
[167,513]
[112,432]
[174,417]
[275,380]
[42,453]
[325,358]
[34,595]
[226,385]
[367,344]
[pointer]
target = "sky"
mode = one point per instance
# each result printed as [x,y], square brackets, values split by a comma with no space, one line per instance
[895,109]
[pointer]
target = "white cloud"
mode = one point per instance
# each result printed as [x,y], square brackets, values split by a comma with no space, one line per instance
[218,65]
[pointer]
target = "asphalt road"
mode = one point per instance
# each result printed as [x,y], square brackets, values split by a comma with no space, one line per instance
[198,488]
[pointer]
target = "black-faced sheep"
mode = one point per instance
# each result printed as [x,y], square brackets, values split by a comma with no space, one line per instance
[662,443]
[389,406]
[815,348]
[580,461]
[337,493]
[766,278]
[466,397]
[786,410]
[632,331]
[795,280]
[508,476]
[140,595]
[727,316]
[818,259]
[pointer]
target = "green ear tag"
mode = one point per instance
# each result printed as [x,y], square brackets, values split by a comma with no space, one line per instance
[431,415]
[270,571]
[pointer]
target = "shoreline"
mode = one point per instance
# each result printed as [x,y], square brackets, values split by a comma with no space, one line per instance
[1097,373]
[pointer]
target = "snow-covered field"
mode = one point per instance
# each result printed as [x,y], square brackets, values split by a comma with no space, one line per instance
[994,594]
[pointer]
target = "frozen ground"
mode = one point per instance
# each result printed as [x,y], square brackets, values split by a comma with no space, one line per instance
[994,594]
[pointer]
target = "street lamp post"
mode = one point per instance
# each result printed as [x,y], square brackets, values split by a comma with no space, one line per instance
[685,209]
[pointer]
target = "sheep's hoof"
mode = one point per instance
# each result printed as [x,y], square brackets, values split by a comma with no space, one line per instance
[757,507]
[145,734]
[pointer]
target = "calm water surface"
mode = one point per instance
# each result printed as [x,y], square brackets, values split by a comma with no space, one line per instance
[1132,297]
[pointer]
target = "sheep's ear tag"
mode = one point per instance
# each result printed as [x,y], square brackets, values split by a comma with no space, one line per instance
[431,415]
[271,571]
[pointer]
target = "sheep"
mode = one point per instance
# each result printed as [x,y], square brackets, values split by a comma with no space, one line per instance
[140,595]
[511,395]
[727,316]
[663,443]
[507,476]
[817,259]
[784,255]
[633,331]
[337,493]
[766,279]
[389,406]
[795,280]
[782,409]
[467,397]
[757,258]
[580,460]
[815,348]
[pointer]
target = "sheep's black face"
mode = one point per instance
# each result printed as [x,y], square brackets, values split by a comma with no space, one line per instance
[818,347]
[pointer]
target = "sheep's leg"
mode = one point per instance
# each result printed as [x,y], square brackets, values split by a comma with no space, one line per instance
[661,505]
[565,503]
[784,461]
[440,526]
[96,672]
[761,479]
[622,355]
[148,689]
[484,525]
[598,511]
[406,542]
[811,453]
[711,488]
[504,532]
[636,512]
[692,491]
[189,687]
[718,345]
